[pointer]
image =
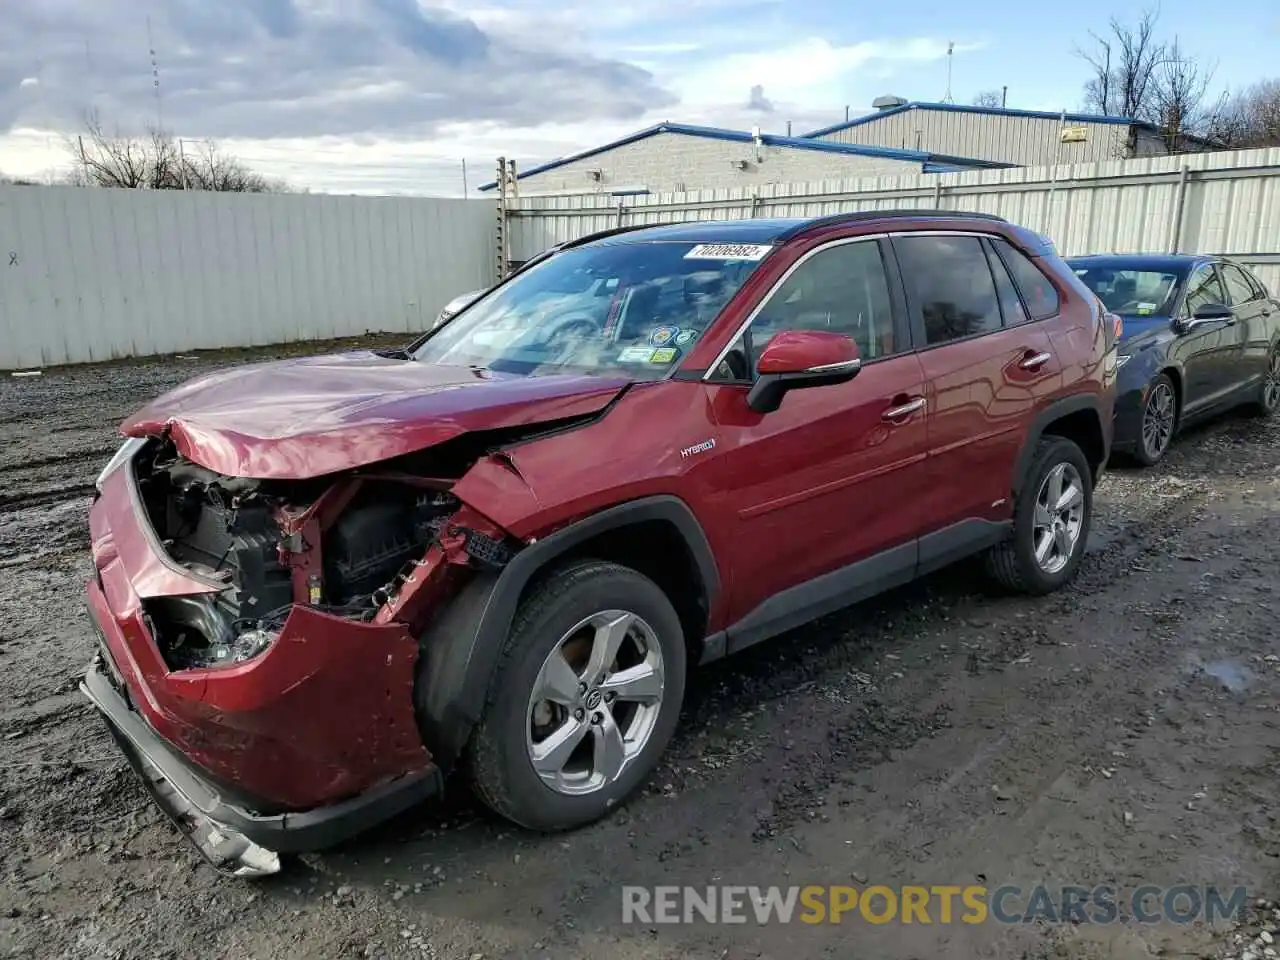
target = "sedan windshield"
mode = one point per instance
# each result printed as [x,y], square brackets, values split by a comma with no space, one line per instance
[1133,292]
[626,307]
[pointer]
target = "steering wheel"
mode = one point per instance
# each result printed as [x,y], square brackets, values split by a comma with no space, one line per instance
[572,327]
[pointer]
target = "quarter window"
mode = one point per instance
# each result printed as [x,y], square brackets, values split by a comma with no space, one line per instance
[1238,285]
[1203,288]
[1040,295]
[954,291]
[1010,303]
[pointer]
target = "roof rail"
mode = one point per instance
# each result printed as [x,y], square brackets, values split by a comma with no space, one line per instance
[861,215]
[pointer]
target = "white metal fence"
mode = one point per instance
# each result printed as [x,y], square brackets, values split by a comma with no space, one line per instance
[91,274]
[1224,203]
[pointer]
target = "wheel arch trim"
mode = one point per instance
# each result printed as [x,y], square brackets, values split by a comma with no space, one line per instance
[462,643]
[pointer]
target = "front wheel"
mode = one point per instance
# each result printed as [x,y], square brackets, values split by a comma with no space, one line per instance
[584,700]
[1159,420]
[1051,521]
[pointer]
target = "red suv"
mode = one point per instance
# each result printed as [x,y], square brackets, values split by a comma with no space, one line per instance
[321,584]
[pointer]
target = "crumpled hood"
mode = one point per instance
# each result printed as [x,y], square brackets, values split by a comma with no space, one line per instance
[294,419]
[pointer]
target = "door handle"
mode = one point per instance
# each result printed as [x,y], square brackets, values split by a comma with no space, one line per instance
[1034,361]
[903,410]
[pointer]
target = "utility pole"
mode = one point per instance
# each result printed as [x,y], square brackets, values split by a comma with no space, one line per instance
[501,237]
[465,192]
[951,49]
[1004,96]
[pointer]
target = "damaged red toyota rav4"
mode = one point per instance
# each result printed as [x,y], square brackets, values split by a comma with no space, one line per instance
[323,584]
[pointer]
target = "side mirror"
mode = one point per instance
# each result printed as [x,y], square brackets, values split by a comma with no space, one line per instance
[1207,313]
[1212,311]
[797,359]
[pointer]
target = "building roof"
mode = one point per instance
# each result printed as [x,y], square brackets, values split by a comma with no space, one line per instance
[938,162]
[963,108]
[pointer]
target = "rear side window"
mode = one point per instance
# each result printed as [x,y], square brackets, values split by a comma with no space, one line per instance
[1238,286]
[1040,296]
[954,291]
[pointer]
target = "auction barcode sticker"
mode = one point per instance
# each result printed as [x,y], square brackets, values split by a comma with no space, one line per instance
[728,251]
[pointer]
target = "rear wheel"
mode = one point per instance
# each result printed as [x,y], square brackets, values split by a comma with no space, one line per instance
[1159,420]
[585,698]
[1269,390]
[1051,521]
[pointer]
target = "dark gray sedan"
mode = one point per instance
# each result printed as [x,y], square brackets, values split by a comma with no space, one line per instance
[1201,336]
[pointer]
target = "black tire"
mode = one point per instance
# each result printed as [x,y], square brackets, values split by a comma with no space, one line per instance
[1146,452]
[501,769]
[1012,564]
[1268,400]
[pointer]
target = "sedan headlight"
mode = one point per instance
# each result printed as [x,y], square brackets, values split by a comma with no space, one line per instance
[122,456]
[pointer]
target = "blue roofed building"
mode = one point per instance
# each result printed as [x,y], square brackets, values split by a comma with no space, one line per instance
[1025,138]
[677,157]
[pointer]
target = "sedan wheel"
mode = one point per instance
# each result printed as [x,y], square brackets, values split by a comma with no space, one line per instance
[1269,392]
[1159,418]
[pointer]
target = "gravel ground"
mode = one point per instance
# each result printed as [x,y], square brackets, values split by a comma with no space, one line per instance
[1121,732]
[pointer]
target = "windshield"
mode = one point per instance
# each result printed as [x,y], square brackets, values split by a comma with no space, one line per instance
[1133,293]
[632,308]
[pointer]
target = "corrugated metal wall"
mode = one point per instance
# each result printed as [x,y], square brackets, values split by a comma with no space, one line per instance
[99,274]
[1027,141]
[1230,205]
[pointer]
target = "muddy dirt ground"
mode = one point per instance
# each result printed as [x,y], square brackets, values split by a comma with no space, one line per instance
[1122,732]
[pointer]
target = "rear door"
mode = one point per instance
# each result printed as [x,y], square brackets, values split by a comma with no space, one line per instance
[1253,317]
[1207,351]
[988,364]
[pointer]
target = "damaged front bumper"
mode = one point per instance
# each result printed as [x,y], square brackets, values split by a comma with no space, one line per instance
[233,839]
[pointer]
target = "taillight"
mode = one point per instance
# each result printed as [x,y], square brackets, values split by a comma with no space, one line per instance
[1115,320]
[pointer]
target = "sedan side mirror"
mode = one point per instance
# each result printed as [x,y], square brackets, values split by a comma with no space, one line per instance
[798,359]
[1206,313]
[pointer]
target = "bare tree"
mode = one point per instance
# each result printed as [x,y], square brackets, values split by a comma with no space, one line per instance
[989,98]
[1250,118]
[1124,64]
[1180,96]
[158,161]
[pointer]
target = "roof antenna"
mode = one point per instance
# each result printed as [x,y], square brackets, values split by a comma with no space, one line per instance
[951,49]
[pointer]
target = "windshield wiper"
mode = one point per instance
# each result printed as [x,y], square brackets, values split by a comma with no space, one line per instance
[394,353]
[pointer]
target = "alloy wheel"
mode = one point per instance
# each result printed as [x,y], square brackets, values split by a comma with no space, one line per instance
[1271,386]
[1158,419]
[595,702]
[1059,518]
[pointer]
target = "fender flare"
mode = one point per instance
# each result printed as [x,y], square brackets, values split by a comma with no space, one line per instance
[461,644]
[1056,411]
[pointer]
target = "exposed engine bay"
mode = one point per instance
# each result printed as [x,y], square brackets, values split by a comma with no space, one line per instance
[255,538]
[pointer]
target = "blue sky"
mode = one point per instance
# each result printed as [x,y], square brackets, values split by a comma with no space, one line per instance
[390,96]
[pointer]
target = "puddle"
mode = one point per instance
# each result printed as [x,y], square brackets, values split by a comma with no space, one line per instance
[1232,674]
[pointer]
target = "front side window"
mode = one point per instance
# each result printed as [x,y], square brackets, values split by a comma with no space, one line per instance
[840,289]
[954,291]
[632,308]
[1238,286]
[1204,288]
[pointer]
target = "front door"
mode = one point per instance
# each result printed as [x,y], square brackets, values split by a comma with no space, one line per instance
[824,490]
[1206,351]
